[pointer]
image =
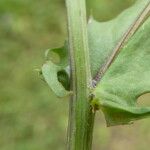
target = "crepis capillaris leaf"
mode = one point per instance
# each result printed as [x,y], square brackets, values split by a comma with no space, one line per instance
[121,49]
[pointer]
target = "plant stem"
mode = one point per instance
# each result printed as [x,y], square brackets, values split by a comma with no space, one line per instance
[81,117]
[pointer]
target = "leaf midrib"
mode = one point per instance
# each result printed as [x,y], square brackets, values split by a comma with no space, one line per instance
[128,34]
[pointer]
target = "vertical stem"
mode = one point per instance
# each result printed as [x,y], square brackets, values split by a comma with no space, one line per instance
[81,119]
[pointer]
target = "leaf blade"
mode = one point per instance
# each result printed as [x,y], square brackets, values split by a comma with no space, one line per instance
[56,74]
[127,79]
[104,36]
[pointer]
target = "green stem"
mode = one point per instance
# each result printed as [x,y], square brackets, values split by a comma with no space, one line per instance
[81,119]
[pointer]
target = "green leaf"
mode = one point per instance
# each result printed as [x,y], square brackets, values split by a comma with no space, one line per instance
[104,36]
[120,60]
[128,75]
[55,72]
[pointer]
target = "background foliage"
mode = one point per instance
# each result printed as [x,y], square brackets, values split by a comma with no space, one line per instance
[31,117]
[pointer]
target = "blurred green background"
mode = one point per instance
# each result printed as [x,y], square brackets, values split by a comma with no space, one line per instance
[31,117]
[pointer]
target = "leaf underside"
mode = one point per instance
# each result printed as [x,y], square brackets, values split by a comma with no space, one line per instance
[127,78]
[128,75]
